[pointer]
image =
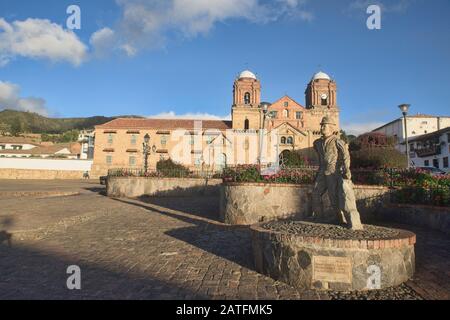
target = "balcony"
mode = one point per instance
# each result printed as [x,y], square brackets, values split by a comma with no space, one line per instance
[428,151]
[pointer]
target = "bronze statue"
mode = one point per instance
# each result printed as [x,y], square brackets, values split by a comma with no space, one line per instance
[334,176]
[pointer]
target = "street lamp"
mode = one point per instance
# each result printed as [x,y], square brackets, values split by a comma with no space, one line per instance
[265,109]
[146,150]
[404,109]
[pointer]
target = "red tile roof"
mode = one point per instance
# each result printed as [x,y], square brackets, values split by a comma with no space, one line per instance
[168,124]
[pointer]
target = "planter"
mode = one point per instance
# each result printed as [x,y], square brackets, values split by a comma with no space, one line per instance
[250,203]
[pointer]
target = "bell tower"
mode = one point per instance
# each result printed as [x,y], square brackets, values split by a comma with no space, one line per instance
[245,112]
[321,99]
[321,92]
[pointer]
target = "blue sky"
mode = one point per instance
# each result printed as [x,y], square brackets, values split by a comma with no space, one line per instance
[180,57]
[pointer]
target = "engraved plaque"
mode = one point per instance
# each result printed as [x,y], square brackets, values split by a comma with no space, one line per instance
[332,269]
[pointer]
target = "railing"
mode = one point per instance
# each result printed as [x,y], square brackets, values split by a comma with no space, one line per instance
[164,173]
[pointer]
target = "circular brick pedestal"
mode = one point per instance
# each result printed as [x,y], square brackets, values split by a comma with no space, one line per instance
[328,257]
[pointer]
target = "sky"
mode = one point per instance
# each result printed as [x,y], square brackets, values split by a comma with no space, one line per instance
[179,58]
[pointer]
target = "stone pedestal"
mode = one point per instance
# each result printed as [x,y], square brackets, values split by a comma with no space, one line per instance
[329,257]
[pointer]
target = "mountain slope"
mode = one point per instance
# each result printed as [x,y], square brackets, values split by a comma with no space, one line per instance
[35,123]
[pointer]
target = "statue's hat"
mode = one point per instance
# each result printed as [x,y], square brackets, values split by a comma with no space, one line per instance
[327,120]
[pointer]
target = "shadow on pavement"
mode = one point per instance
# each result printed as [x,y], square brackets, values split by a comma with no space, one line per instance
[27,273]
[229,242]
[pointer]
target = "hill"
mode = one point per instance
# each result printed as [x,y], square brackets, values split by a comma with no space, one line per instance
[34,123]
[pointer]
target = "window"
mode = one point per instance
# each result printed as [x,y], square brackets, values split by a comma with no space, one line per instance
[274,114]
[283,140]
[426,163]
[132,161]
[436,163]
[110,138]
[298,115]
[286,104]
[133,139]
[2,147]
[324,101]
[246,124]
[192,141]
[247,98]
[108,160]
[286,113]
[163,140]
[17,147]
[290,140]
[445,162]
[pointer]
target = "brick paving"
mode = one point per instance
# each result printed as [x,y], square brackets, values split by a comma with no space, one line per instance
[156,248]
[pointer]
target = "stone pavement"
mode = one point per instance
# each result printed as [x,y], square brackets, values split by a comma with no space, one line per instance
[157,248]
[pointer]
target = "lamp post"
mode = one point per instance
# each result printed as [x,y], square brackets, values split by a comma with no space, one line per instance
[265,109]
[404,108]
[147,150]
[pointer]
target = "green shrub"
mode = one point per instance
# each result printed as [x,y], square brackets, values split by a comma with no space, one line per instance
[377,158]
[168,168]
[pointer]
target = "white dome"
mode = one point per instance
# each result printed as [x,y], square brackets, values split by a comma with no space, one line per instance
[321,75]
[247,74]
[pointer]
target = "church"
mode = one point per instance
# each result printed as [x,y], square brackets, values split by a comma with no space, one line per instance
[258,132]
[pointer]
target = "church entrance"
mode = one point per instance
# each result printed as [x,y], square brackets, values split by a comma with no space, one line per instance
[282,158]
[221,162]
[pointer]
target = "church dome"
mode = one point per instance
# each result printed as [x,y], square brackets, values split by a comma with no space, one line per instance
[321,75]
[247,74]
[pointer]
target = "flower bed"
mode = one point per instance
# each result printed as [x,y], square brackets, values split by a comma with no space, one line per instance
[413,186]
[419,187]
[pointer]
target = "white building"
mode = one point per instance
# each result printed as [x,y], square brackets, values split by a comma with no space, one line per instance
[21,147]
[417,125]
[86,139]
[431,150]
[16,143]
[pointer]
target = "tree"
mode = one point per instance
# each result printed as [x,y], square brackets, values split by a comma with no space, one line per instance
[69,136]
[4,128]
[16,127]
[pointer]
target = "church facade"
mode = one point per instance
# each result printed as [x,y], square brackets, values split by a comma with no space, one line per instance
[253,135]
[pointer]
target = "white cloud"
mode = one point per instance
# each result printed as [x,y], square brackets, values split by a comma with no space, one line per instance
[10,99]
[360,127]
[190,116]
[39,39]
[103,41]
[150,23]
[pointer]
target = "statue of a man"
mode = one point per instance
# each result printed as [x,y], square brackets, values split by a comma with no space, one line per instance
[334,176]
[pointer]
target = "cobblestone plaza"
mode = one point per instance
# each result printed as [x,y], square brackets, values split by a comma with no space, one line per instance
[155,248]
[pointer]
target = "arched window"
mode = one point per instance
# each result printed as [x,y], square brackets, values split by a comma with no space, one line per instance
[285,113]
[247,98]
[246,124]
[290,140]
[283,140]
[324,101]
